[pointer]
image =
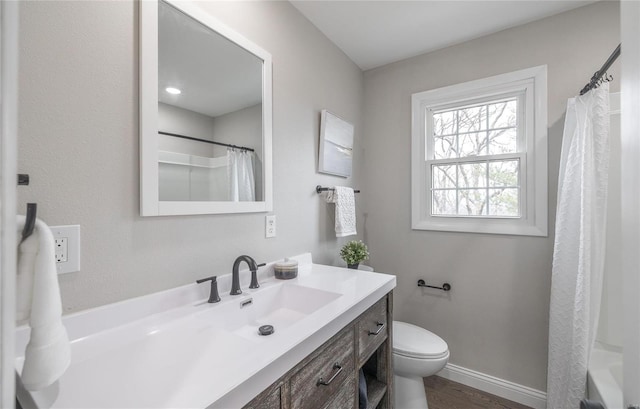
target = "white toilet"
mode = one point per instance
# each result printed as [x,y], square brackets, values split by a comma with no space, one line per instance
[417,353]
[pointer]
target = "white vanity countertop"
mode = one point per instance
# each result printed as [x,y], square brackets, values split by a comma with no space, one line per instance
[174,350]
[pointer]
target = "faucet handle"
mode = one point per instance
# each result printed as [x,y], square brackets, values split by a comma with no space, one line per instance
[213,296]
[254,276]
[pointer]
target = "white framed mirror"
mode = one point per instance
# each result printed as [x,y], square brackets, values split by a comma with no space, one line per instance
[205,115]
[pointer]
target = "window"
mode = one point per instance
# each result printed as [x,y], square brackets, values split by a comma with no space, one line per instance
[479,156]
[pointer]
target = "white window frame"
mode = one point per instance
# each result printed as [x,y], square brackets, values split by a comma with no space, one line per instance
[530,87]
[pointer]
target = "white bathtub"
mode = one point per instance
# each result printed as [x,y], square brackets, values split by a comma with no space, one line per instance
[604,381]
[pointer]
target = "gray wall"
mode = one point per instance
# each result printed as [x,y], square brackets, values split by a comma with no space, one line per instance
[78,140]
[242,127]
[495,319]
[173,119]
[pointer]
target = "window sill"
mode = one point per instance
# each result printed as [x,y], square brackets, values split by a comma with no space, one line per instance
[487,226]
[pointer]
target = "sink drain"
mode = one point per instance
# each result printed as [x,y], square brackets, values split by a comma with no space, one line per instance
[266,330]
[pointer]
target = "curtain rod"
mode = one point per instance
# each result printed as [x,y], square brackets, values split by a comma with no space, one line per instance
[593,82]
[205,141]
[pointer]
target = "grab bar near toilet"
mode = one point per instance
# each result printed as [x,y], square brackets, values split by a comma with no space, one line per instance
[445,286]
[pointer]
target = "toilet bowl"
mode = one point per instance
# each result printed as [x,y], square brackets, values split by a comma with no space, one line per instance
[417,353]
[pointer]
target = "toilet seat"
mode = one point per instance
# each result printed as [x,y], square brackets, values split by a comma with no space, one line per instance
[416,342]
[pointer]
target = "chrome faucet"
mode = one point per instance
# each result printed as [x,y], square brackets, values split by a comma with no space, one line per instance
[235,278]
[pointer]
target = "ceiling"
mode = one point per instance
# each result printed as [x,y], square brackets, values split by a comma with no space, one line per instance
[375,33]
[215,75]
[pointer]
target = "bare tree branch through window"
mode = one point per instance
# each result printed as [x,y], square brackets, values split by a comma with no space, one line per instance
[476,187]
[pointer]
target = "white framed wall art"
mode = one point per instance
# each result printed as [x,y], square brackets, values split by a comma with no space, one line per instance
[336,145]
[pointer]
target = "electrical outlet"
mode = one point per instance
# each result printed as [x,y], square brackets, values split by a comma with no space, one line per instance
[61,249]
[270,226]
[67,248]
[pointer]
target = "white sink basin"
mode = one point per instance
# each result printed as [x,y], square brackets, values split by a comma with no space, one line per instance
[280,305]
[174,350]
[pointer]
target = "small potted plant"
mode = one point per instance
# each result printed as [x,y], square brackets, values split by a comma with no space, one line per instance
[354,252]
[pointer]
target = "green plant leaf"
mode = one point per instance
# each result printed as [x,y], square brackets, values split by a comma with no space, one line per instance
[354,252]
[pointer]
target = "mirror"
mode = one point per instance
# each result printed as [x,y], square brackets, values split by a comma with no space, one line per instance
[205,115]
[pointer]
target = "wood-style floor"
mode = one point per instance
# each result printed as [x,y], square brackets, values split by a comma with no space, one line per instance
[445,394]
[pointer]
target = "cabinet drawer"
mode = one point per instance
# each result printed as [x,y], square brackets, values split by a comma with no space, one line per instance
[318,382]
[372,329]
[346,398]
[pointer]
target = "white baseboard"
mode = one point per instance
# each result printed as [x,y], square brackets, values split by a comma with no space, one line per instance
[496,386]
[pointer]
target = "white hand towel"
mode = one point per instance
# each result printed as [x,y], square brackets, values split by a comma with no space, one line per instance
[48,352]
[344,200]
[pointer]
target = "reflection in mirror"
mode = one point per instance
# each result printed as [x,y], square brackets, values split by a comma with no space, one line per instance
[205,114]
[210,116]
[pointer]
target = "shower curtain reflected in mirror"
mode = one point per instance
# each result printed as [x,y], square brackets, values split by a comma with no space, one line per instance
[579,248]
[186,177]
[240,175]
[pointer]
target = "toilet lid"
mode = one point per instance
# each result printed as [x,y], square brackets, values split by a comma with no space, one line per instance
[416,342]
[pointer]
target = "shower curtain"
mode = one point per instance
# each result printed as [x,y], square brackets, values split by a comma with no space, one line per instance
[578,256]
[240,174]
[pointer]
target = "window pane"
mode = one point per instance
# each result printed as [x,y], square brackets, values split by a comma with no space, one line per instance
[472,175]
[445,148]
[503,173]
[503,114]
[444,123]
[472,202]
[444,202]
[473,144]
[504,202]
[472,119]
[502,141]
[444,176]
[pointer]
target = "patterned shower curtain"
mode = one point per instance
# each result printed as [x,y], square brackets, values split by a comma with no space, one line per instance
[579,248]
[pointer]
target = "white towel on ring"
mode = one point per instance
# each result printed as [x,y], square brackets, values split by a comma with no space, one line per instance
[48,353]
[344,199]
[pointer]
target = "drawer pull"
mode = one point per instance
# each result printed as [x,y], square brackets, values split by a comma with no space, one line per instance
[325,383]
[379,330]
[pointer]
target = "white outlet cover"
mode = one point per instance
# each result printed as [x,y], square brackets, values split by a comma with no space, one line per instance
[72,234]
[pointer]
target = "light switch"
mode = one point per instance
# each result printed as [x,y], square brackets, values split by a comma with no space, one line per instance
[270,226]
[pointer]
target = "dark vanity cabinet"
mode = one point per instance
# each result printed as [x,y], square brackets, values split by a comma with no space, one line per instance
[328,377]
